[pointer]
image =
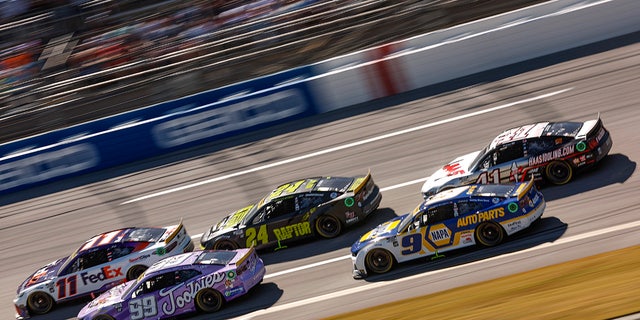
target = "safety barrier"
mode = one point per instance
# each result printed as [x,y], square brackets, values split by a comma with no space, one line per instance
[329,85]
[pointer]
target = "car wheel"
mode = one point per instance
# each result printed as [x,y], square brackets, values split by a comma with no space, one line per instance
[39,302]
[103,317]
[558,172]
[328,226]
[135,271]
[225,245]
[209,300]
[489,234]
[379,261]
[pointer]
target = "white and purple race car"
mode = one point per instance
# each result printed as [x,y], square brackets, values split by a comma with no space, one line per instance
[199,281]
[101,263]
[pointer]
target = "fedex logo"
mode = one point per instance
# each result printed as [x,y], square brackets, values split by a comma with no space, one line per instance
[104,274]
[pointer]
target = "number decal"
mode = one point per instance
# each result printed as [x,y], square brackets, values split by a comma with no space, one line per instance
[143,308]
[263,236]
[412,242]
[62,286]
[486,177]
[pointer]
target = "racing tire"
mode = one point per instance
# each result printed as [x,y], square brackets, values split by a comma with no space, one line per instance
[558,172]
[489,234]
[103,317]
[39,303]
[379,261]
[209,300]
[328,226]
[135,271]
[225,245]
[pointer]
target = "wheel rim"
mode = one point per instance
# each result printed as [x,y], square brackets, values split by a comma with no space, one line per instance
[379,261]
[328,226]
[209,300]
[490,234]
[40,302]
[225,245]
[559,172]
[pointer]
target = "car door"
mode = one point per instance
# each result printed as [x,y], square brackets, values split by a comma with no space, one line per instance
[270,224]
[503,164]
[430,231]
[89,272]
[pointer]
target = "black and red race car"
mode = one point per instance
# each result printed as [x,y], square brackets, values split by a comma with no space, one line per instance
[549,151]
[318,206]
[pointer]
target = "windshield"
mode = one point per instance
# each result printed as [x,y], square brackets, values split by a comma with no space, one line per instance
[408,218]
[480,155]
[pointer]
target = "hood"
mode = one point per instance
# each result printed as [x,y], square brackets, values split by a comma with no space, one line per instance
[48,272]
[382,231]
[106,299]
[449,173]
[227,224]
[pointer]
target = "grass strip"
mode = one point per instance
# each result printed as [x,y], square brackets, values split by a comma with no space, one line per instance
[603,286]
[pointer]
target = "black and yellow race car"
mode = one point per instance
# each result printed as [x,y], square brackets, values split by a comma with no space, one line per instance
[311,207]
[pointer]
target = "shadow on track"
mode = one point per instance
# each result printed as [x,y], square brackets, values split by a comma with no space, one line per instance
[252,137]
[261,297]
[548,229]
[315,247]
[615,168]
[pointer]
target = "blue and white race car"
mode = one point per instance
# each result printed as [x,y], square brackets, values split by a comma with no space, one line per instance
[481,214]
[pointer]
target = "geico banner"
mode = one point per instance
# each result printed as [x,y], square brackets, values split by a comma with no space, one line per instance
[47,165]
[237,116]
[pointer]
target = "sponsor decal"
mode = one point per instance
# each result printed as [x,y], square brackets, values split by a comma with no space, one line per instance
[480,217]
[142,257]
[104,274]
[439,234]
[47,165]
[349,215]
[555,154]
[294,230]
[177,301]
[237,116]
[234,291]
[512,207]
[453,169]
[514,225]
[466,237]
[581,146]
[349,202]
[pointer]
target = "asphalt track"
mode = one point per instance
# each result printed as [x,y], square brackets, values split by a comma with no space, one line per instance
[402,140]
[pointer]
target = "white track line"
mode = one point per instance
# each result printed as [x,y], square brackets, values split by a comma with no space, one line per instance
[345,146]
[373,286]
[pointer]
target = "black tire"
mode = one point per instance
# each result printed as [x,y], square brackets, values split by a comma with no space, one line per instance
[379,261]
[39,303]
[225,245]
[558,172]
[209,300]
[103,317]
[135,271]
[328,226]
[489,234]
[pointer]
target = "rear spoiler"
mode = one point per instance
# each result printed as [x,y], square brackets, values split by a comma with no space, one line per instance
[175,232]
[359,183]
[523,189]
[246,256]
[589,128]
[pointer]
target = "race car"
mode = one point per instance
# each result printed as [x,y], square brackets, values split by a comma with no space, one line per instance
[102,262]
[197,281]
[483,214]
[546,151]
[319,206]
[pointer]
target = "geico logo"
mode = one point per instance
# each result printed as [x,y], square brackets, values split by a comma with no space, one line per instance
[46,165]
[241,115]
[104,274]
[480,217]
